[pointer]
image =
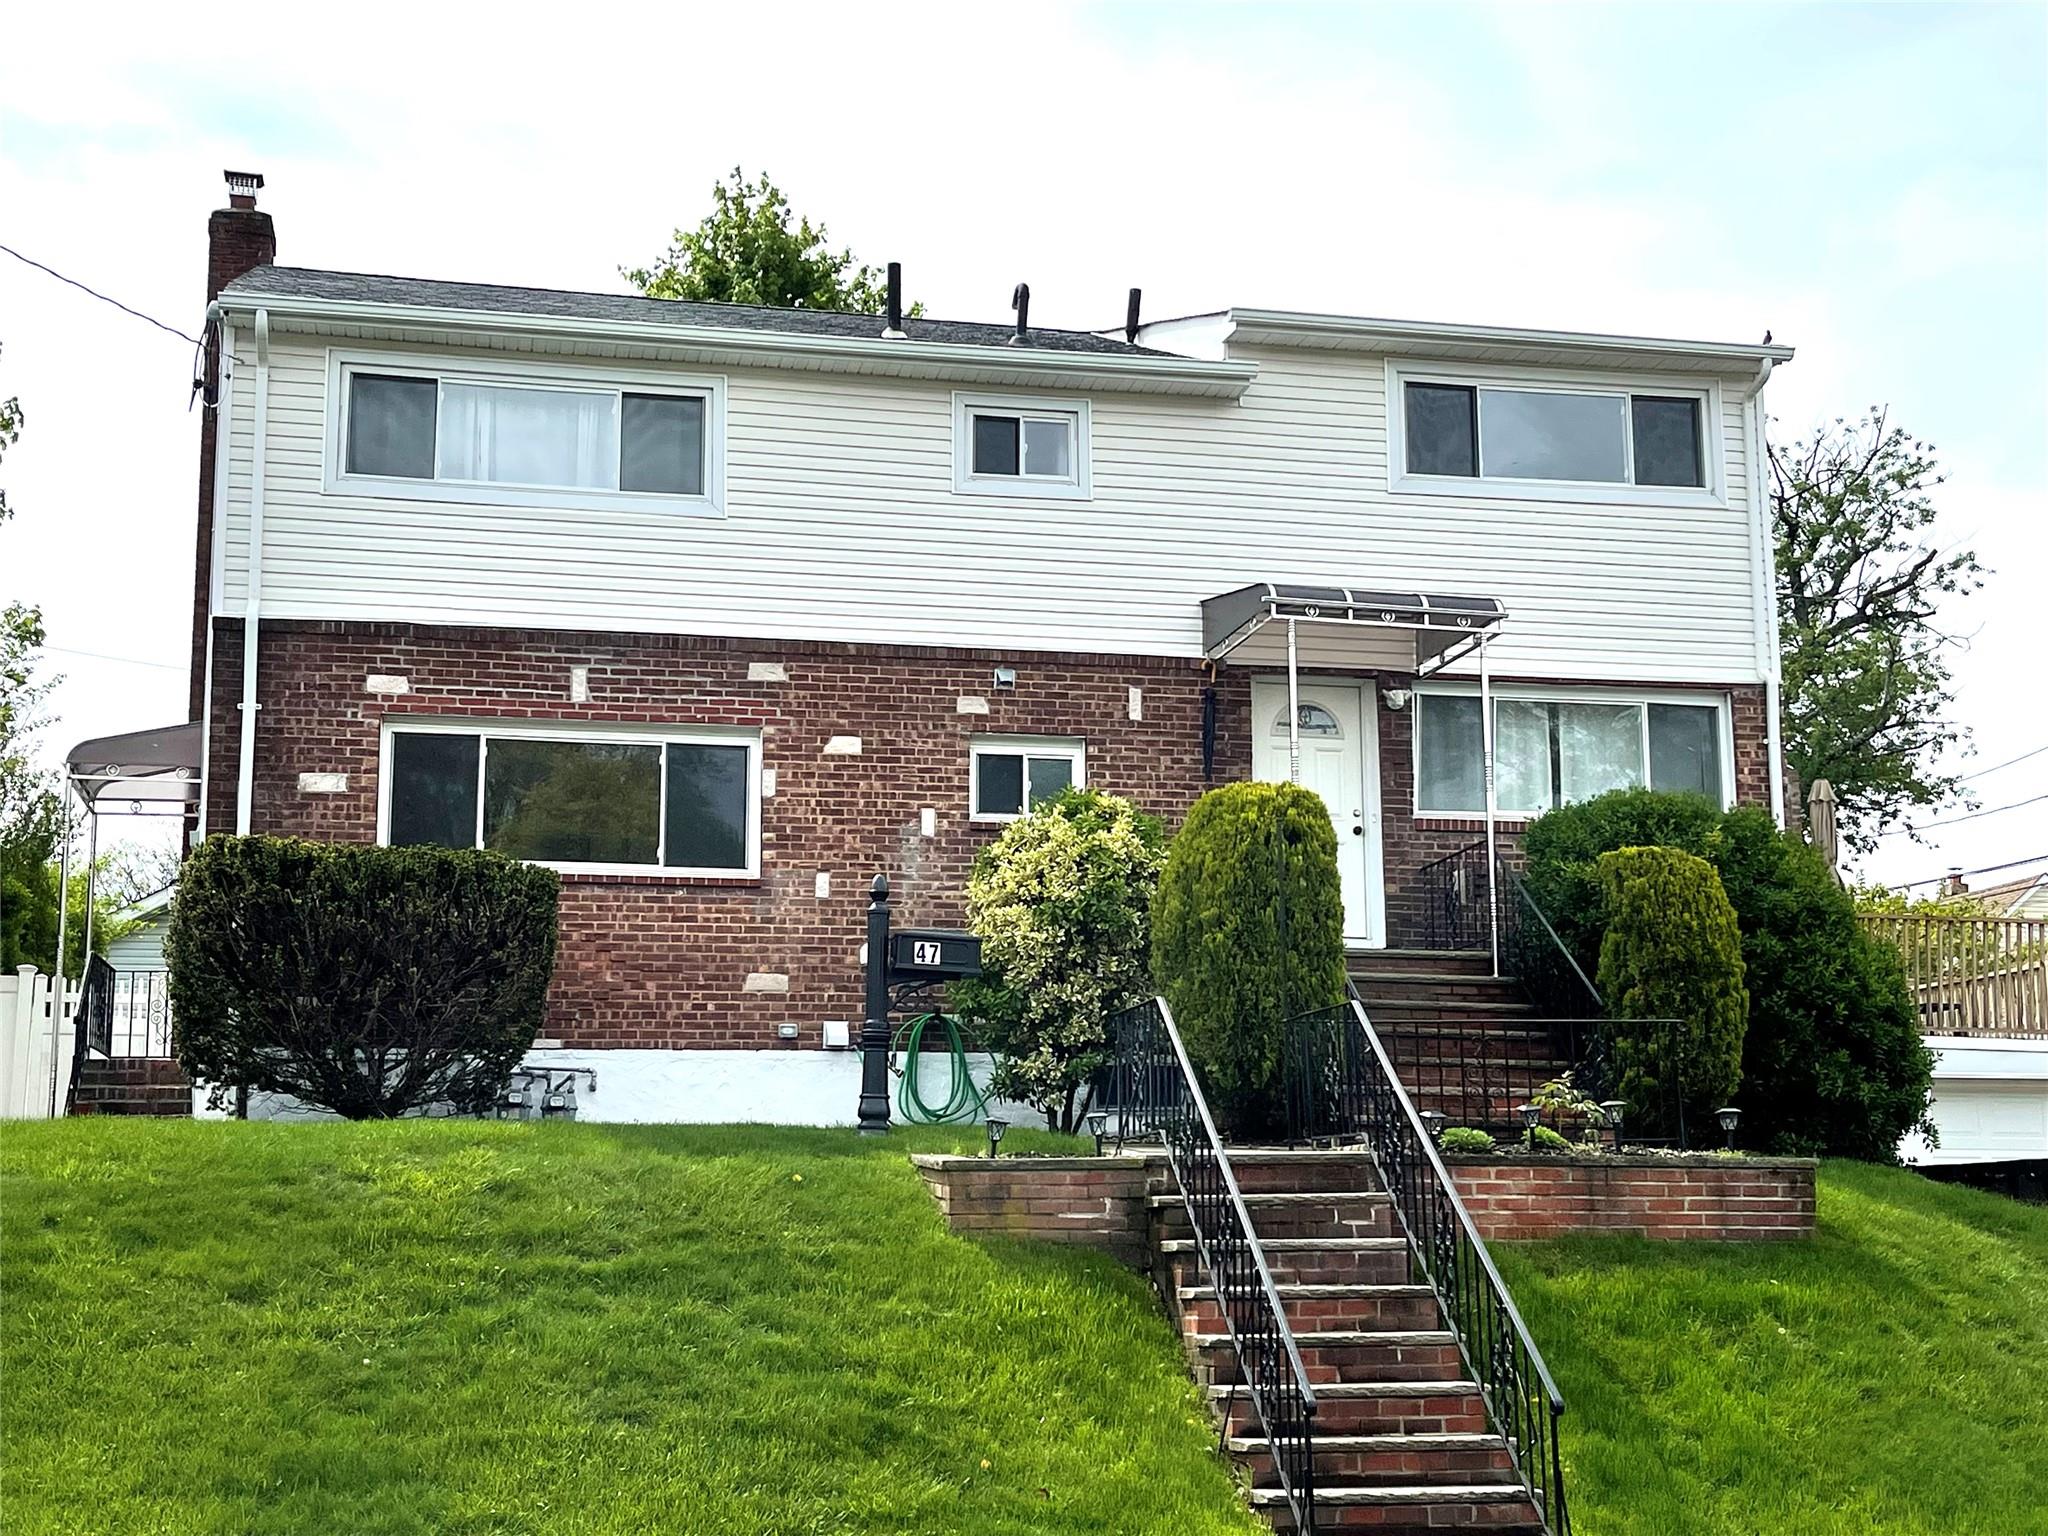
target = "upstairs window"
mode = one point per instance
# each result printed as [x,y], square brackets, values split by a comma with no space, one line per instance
[1552,751]
[629,803]
[1020,447]
[1598,437]
[453,436]
[1014,775]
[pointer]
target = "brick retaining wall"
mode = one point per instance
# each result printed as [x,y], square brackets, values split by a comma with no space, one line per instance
[1750,1199]
[1091,1200]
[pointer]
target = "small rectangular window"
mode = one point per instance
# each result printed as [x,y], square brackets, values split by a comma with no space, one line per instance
[1685,749]
[1442,434]
[661,440]
[1667,440]
[391,426]
[995,445]
[1450,757]
[1013,777]
[433,789]
[1048,448]
[707,807]
[1020,448]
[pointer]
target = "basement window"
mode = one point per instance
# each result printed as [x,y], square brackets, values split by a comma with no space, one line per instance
[1013,775]
[625,802]
[1019,447]
[559,437]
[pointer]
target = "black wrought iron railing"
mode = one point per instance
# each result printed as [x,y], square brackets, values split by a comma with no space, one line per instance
[1158,1098]
[1343,1088]
[96,1007]
[1454,914]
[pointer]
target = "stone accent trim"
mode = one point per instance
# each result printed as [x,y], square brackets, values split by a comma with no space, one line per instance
[1096,1201]
[1747,1199]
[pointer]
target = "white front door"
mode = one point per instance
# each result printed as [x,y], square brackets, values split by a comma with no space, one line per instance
[1340,761]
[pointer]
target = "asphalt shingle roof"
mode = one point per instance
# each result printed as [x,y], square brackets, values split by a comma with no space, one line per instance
[556,303]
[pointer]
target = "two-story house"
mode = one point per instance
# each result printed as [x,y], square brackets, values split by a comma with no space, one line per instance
[722,610]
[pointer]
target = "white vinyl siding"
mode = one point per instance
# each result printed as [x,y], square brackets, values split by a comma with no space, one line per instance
[842,522]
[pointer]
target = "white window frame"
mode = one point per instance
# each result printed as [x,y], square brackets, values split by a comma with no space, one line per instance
[1071,748]
[1536,693]
[1077,486]
[486,728]
[1707,392]
[343,365]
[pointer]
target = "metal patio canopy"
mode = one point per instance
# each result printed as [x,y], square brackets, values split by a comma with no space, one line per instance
[138,773]
[1362,629]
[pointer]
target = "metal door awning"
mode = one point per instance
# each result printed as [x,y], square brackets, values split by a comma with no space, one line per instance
[1356,628]
[153,766]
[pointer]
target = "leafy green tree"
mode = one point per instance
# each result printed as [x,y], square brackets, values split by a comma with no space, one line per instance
[1063,903]
[752,249]
[1861,579]
[1671,974]
[1249,933]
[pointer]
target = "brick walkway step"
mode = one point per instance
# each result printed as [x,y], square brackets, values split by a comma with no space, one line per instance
[1397,1511]
[1374,1407]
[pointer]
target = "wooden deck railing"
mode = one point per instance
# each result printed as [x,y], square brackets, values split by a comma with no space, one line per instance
[1985,976]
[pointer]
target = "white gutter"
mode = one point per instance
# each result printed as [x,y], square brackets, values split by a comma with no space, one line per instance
[854,354]
[1763,550]
[252,602]
[1289,327]
[222,412]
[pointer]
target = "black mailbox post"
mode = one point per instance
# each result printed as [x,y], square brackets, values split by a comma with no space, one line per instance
[912,958]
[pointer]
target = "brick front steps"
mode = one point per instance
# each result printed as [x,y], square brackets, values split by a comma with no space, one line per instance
[132,1085]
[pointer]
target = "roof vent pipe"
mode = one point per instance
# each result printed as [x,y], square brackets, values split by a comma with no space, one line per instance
[892,328]
[1131,316]
[1020,301]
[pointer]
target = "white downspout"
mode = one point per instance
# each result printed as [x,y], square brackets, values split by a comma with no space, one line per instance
[1486,755]
[223,415]
[1293,712]
[1764,547]
[252,604]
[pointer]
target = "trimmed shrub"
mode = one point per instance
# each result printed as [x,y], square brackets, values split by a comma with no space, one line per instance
[1063,903]
[368,981]
[1249,932]
[1833,1061]
[1671,975]
[1464,1138]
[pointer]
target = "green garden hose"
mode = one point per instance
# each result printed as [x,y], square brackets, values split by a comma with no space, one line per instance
[965,1101]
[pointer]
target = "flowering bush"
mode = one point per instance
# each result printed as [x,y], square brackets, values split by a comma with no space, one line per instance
[1063,903]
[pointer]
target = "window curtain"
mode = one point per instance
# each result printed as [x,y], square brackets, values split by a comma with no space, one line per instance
[529,436]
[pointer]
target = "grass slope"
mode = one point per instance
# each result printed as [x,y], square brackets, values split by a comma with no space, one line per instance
[1891,1377]
[469,1328]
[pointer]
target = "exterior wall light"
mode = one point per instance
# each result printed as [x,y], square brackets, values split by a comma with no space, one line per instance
[1730,1117]
[996,1127]
[1396,699]
[1098,1127]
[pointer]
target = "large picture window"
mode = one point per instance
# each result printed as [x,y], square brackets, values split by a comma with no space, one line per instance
[572,439]
[654,802]
[1552,750]
[1590,436]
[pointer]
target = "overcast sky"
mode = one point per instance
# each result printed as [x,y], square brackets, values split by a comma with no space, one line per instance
[1869,184]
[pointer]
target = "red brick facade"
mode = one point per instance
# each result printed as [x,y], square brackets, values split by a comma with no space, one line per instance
[1736,1200]
[661,961]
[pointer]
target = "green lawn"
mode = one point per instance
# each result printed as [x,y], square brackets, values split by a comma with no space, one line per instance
[1890,1377]
[455,1327]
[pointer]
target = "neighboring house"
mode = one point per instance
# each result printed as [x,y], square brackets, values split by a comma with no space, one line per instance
[2024,897]
[142,997]
[723,610]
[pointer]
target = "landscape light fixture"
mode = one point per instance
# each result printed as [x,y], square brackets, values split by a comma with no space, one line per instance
[1433,1123]
[1614,1109]
[996,1126]
[1530,1114]
[1098,1126]
[1730,1117]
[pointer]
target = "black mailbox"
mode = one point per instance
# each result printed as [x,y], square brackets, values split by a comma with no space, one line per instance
[934,952]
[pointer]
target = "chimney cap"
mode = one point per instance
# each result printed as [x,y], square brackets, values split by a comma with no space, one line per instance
[242,187]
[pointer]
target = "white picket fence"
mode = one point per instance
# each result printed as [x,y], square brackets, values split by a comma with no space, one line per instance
[36,1045]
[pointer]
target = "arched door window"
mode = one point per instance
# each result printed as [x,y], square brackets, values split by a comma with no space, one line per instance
[1314,721]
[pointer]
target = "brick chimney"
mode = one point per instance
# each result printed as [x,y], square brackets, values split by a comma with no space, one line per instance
[1953,883]
[238,238]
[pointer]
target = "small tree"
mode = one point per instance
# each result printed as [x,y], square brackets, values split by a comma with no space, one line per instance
[369,981]
[1671,975]
[1249,933]
[746,251]
[1063,903]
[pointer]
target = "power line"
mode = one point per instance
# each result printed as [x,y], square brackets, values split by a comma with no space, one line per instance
[82,288]
[133,661]
[1988,869]
[1973,816]
[2006,764]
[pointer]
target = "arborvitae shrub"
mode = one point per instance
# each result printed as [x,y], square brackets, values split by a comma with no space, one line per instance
[1671,975]
[1833,1061]
[368,981]
[1247,932]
